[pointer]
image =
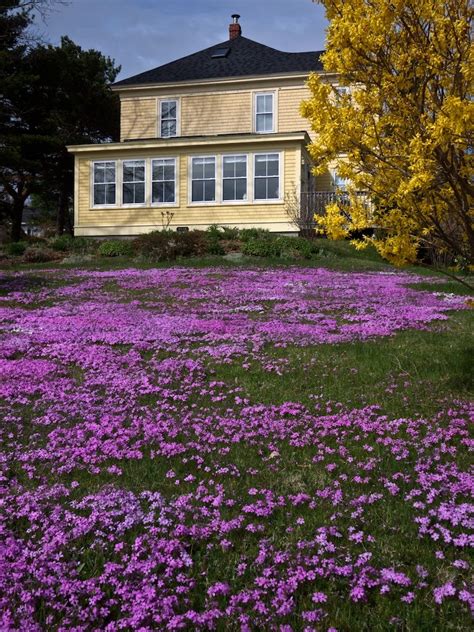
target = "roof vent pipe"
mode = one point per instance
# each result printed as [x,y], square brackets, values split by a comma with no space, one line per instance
[235,30]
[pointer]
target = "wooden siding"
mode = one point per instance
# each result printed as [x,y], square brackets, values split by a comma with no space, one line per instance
[221,113]
[213,111]
[127,221]
[138,118]
[289,117]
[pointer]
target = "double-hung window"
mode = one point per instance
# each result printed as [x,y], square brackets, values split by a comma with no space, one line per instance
[203,176]
[234,178]
[264,112]
[267,177]
[163,181]
[133,182]
[104,183]
[168,118]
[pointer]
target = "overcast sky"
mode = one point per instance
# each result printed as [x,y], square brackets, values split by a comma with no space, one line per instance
[143,34]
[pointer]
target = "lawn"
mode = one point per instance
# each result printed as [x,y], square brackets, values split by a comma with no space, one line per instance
[235,447]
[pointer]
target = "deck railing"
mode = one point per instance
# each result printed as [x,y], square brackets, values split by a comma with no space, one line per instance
[314,203]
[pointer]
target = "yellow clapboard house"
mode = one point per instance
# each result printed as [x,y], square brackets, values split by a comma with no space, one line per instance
[213,138]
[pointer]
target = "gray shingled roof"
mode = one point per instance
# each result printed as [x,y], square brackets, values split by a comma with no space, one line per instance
[245,58]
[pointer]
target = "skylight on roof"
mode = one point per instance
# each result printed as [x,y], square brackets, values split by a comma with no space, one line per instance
[218,53]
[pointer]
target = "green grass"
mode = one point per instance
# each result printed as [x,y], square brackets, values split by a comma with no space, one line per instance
[411,364]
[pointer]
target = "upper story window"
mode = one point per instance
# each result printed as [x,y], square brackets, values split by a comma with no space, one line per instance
[168,118]
[203,177]
[339,182]
[342,91]
[267,177]
[264,112]
[104,183]
[133,182]
[234,178]
[163,181]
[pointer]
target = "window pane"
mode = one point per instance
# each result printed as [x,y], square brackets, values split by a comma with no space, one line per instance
[99,173]
[265,122]
[140,172]
[110,172]
[128,193]
[139,193]
[241,168]
[229,167]
[209,169]
[157,190]
[134,171]
[241,189]
[198,168]
[169,192]
[99,194]
[260,165]
[210,190]
[168,128]
[272,165]
[260,189]
[168,172]
[264,103]
[198,192]
[157,171]
[127,173]
[273,192]
[110,193]
[228,190]
[168,109]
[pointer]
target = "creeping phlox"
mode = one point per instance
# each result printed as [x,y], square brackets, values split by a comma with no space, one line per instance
[138,491]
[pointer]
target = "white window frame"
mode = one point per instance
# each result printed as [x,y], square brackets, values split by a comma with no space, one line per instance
[247,199]
[93,183]
[217,167]
[123,183]
[273,94]
[338,182]
[279,199]
[176,182]
[178,117]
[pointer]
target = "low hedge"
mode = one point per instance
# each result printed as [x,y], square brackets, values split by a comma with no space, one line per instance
[115,248]
[274,247]
[166,245]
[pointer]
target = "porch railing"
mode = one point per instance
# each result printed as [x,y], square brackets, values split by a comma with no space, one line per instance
[314,203]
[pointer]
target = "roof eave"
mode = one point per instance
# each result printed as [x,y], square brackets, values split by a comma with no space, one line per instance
[224,80]
[191,141]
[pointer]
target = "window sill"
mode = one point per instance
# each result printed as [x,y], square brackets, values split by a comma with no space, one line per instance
[164,205]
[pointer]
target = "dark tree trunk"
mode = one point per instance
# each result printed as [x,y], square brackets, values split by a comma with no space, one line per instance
[17,217]
[63,208]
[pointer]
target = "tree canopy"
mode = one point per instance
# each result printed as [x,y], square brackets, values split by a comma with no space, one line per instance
[403,130]
[50,96]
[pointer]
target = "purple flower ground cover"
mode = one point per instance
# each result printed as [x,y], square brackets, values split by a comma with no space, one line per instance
[143,487]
